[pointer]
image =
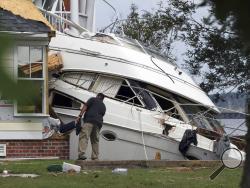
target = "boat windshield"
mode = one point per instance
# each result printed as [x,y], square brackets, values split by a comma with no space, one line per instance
[132,44]
[143,95]
[200,116]
[162,57]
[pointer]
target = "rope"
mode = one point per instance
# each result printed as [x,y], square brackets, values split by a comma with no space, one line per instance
[237,128]
[142,136]
[151,58]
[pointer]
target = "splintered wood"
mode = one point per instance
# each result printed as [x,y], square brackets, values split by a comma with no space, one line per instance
[55,62]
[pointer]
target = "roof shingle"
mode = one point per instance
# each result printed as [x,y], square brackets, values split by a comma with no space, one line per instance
[25,9]
[11,22]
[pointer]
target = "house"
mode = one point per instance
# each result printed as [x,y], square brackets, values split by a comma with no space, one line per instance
[22,126]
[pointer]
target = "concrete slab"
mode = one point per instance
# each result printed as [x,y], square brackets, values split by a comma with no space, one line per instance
[145,164]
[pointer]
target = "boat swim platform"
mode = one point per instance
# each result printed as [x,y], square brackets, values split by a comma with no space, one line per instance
[89,164]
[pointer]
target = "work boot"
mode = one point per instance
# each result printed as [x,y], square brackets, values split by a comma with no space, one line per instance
[82,158]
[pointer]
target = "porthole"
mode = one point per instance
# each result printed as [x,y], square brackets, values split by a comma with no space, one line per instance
[109,135]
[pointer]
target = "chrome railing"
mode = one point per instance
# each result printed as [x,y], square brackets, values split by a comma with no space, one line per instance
[60,21]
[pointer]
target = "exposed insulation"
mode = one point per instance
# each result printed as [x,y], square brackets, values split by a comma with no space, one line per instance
[24,8]
[35,67]
[54,63]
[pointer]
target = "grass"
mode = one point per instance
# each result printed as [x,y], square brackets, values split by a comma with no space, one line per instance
[137,178]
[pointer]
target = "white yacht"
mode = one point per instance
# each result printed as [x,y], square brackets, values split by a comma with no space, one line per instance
[150,101]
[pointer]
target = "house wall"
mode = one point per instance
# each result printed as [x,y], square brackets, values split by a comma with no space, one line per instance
[8,62]
[23,134]
[54,147]
[7,109]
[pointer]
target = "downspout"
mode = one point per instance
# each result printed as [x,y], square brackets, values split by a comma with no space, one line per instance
[74,9]
[90,11]
[82,13]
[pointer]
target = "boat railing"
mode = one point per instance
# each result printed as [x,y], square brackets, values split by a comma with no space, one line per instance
[60,21]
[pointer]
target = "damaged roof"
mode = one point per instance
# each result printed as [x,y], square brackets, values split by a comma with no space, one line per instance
[22,16]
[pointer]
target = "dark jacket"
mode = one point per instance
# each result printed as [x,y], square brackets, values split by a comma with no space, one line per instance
[96,109]
[188,138]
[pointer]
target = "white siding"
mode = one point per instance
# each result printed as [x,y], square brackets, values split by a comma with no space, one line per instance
[8,62]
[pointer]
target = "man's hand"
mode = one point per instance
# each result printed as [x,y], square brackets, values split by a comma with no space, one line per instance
[77,119]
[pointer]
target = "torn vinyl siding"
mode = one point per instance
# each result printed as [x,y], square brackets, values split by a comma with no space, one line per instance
[6,106]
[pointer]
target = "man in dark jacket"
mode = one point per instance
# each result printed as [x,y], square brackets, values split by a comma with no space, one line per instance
[94,111]
[189,137]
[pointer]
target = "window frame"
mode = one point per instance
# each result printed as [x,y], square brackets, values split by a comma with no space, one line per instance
[54,92]
[43,46]
[97,76]
[135,96]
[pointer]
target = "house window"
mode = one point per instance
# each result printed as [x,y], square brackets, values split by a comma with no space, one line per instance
[30,71]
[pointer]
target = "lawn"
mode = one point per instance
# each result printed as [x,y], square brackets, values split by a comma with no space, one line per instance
[136,178]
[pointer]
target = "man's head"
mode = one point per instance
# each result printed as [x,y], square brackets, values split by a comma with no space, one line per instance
[100,96]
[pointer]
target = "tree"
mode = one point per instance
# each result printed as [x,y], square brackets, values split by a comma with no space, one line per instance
[161,28]
[220,44]
[217,55]
[215,52]
[237,13]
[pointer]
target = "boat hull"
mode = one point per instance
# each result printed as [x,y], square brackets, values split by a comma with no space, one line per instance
[132,144]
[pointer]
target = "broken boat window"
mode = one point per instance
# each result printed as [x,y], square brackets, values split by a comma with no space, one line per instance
[167,106]
[125,93]
[80,79]
[143,95]
[196,114]
[107,85]
[214,123]
[64,101]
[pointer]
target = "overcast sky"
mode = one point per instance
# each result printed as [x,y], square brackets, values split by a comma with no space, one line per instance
[104,13]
